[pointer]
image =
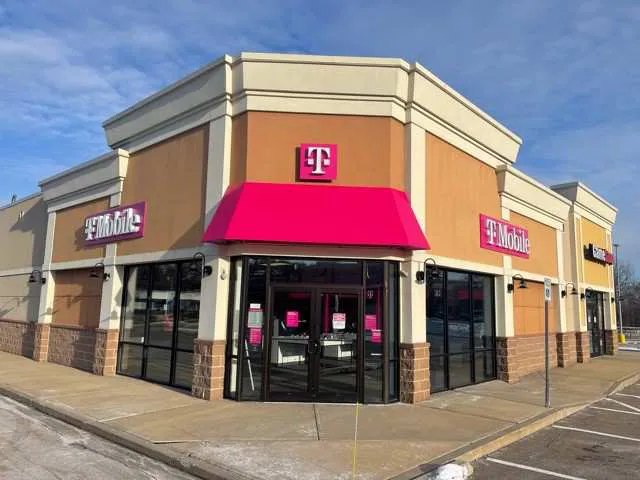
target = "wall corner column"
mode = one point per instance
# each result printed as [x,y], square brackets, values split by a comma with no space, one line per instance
[47,292]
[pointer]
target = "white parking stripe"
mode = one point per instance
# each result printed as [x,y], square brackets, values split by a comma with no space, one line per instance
[630,407]
[533,469]
[627,395]
[615,410]
[593,432]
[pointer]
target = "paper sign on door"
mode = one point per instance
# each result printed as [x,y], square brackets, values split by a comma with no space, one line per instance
[370,321]
[255,336]
[376,336]
[254,319]
[339,321]
[292,319]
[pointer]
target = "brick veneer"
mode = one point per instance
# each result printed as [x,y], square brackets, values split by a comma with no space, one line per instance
[567,351]
[583,347]
[17,337]
[41,342]
[106,350]
[72,346]
[522,355]
[611,342]
[415,384]
[208,369]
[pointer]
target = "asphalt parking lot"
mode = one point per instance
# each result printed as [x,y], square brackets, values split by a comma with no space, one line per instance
[600,442]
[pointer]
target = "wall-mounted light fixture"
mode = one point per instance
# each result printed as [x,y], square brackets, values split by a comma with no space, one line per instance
[205,270]
[613,299]
[36,276]
[522,283]
[95,273]
[434,273]
[574,291]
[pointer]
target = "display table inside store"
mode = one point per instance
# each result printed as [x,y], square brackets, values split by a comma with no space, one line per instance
[290,349]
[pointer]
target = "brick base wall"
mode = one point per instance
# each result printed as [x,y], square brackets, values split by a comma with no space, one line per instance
[611,342]
[520,356]
[41,342]
[583,347]
[567,350]
[72,346]
[106,350]
[208,369]
[17,337]
[415,384]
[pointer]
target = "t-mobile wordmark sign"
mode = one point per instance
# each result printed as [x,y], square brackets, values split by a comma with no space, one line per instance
[501,236]
[318,161]
[120,223]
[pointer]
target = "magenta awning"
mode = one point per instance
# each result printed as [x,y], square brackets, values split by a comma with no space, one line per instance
[316,214]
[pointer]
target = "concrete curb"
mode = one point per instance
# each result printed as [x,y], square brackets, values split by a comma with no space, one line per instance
[489,444]
[161,453]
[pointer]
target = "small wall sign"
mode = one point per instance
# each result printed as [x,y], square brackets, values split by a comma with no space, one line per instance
[339,321]
[597,254]
[504,237]
[318,161]
[292,319]
[120,223]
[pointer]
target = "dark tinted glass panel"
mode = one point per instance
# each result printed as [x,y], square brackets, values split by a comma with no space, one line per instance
[285,270]
[374,334]
[459,370]
[184,369]
[482,304]
[158,365]
[437,371]
[189,312]
[485,366]
[162,304]
[435,313]
[130,361]
[233,332]
[392,331]
[135,309]
[458,312]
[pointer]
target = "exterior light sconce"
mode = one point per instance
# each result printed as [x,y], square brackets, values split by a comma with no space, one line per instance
[582,296]
[521,284]
[566,287]
[206,270]
[613,299]
[434,273]
[36,276]
[95,274]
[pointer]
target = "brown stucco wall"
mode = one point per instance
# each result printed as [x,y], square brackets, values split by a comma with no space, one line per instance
[171,176]
[528,309]
[77,298]
[370,149]
[22,239]
[68,239]
[459,189]
[543,258]
[594,273]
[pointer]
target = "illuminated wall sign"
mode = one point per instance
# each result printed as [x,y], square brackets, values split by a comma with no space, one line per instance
[318,162]
[597,254]
[115,224]
[504,237]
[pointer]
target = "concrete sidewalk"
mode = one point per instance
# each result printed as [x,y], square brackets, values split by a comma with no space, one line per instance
[227,439]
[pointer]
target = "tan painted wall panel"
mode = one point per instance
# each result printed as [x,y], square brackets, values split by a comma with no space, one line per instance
[370,149]
[68,239]
[19,300]
[77,298]
[22,240]
[528,309]
[171,176]
[459,189]
[594,273]
[543,258]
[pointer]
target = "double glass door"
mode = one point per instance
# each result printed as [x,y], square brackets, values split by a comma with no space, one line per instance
[595,322]
[314,344]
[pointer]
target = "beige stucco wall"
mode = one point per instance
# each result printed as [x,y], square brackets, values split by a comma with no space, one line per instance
[19,299]
[22,239]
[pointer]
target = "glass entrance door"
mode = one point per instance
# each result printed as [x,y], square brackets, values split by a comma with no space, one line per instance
[595,322]
[314,344]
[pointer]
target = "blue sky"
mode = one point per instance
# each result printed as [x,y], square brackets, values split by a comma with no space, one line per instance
[564,76]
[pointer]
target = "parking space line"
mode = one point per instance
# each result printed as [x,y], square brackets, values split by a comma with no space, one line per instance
[630,407]
[627,395]
[593,432]
[615,410]
[533,469]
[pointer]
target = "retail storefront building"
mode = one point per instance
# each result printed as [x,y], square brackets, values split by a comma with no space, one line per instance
[283,227]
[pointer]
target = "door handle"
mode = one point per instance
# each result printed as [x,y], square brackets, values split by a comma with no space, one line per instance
[313,347]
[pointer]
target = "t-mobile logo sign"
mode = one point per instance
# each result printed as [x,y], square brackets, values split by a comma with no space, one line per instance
[318,161]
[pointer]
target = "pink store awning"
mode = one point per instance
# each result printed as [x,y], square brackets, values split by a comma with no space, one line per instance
[316,214]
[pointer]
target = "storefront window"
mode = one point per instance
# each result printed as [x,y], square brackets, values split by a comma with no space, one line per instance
[234,328]
[374,332]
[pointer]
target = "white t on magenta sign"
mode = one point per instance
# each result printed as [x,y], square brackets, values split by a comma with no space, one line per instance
[318,161]
[504,237]
[120,223]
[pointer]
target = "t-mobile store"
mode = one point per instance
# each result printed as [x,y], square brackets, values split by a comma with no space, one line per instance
[303,228]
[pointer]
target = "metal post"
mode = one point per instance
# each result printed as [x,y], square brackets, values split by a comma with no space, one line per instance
[547,400]
[617,290]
